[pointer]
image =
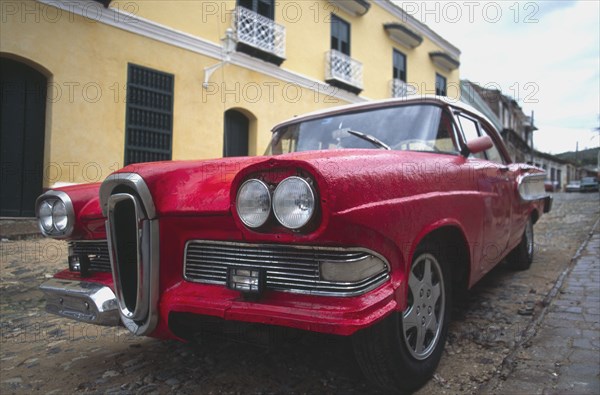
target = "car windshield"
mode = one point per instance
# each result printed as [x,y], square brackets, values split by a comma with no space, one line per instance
[409,127]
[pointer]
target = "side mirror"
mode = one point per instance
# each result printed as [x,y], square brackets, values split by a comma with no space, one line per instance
[479,144]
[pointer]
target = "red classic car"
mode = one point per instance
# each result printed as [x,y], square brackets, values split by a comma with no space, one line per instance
[360,220]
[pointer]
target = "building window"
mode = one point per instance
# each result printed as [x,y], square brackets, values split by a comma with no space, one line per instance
[340,69]
[399,86]
[440,85]
[340,35]
[149,119]
[265,8]
[399,68]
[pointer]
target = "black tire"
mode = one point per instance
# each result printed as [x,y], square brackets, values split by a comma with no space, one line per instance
[397,354]
[521,256]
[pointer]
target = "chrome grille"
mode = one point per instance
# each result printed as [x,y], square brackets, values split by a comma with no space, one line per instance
[287,268]
[95,250]
[132,231]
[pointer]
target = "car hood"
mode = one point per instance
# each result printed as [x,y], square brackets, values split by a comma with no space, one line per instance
[205,187]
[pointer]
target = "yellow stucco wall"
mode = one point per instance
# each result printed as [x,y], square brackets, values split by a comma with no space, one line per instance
[86,63]
[308,22]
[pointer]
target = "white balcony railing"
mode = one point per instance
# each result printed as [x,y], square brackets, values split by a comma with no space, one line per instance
[402,89]
[343,68]
[259,32]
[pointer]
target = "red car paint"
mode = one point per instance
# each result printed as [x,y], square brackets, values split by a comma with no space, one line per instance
[385,201]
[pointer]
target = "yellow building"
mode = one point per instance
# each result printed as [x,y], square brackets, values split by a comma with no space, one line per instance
[89,86]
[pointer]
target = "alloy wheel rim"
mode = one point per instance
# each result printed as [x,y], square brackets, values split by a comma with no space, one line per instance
[422,321]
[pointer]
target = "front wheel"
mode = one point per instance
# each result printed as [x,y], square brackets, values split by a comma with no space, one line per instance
[521,257]
[402,352]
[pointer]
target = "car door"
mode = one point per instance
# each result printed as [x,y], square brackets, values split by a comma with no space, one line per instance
[495,181]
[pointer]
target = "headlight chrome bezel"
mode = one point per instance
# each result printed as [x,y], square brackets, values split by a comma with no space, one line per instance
[50,199]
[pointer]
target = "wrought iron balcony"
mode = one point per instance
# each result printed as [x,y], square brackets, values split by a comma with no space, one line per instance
[259,36]
[402,89]
[343,71]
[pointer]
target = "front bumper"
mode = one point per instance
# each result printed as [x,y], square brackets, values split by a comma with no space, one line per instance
[83,301]
[324,314]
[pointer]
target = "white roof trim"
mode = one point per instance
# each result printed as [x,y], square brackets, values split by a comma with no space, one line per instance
[146,28]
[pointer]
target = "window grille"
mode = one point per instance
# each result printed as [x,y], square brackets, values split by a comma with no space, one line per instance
[149,120]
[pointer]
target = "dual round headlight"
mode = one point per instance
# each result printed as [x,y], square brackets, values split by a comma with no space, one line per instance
[293,203]
[254,203]
[54,214]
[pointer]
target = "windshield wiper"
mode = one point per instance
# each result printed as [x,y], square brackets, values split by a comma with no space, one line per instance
[371,139]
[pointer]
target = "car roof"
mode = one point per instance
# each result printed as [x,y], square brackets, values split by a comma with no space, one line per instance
[374,104]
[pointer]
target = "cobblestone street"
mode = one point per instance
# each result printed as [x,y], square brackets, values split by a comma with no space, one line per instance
[532,331]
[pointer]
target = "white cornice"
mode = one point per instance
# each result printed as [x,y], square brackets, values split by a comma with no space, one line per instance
[419,27]
[146,28]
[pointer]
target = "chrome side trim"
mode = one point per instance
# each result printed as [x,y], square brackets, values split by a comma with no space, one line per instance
[52,194]
[132,180]
[531,186]
[83,301]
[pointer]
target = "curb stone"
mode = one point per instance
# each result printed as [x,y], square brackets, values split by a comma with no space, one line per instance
[510,361]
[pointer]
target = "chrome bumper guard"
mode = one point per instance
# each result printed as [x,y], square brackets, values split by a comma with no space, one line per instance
[82,301]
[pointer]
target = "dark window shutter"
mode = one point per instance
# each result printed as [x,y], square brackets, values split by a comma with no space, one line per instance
[149,123]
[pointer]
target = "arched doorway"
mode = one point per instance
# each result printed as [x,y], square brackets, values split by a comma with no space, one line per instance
[235,135]
[22,126]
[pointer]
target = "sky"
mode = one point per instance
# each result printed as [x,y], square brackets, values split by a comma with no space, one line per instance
[544,54]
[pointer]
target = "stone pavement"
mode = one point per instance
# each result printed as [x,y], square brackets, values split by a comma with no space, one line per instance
[18,228]
[492,348]
[564,355]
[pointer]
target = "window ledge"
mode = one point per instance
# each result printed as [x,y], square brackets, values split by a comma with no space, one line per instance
[353,7]
[403,35]
[443,60]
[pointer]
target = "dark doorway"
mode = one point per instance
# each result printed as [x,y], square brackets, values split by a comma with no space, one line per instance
[22,124]
[235,137]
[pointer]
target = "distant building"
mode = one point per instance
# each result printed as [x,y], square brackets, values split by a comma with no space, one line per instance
[517,130]
[515,127]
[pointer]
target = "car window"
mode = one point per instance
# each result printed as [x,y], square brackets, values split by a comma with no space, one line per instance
[492,154]
[470,132]
[473,129]
[445,138]
[406,127]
